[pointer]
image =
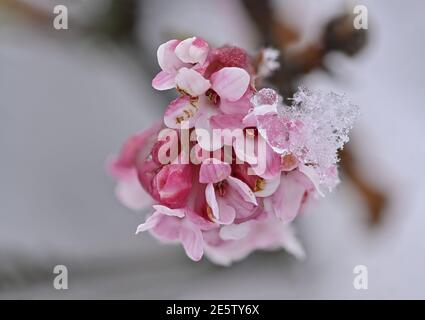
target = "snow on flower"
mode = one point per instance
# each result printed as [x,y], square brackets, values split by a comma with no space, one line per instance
[230,167]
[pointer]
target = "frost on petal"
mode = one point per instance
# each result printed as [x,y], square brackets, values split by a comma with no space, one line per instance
[181,112]
[269,162]
[313,128]
[191,82]
[167,59]
[192,50]
[327,119]
[192,241]
[164,81]
[275,131]
[230,83]
[213,170]
[266,96]
[251,119]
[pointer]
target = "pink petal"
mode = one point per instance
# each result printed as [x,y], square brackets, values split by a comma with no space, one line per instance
[213,170]
[166,148]
[286,201]
[181,113]
[137,147]
[130,192]
[173,183]
[239,107]
[314,177]
[199,221]
[291,244]
[193,243]
[167,59]
[243,172]
[269,164]
[164,81]
[242,189]
[198,154]
[280,132]
[226,121]
[167,228]
[179,213]
[230,83]
[146,172]
[227,213]
[235,231]
[255,151]
[212,200]
[204,131]
[250,120]
[289,162]
[150,222]
[269,233]
[192,50]
[246,151]
[192,82]
[270,187]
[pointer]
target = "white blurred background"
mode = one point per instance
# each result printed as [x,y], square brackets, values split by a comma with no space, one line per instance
[68,100]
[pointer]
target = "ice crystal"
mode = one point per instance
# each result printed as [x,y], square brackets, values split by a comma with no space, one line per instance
[313,128]
[266,96]
[327,119]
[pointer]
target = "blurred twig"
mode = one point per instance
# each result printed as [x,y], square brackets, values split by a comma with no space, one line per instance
[31,13]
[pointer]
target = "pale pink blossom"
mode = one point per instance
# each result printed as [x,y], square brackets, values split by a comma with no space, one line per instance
[178,225]
[228,197]
[174,55]
[268,233]
[254,164]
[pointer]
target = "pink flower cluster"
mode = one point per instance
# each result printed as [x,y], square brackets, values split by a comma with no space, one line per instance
[221,201]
